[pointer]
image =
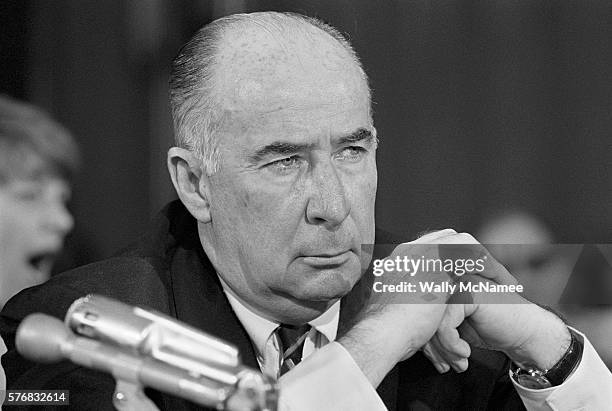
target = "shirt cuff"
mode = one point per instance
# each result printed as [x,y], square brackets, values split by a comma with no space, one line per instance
[329,379]
[589,387]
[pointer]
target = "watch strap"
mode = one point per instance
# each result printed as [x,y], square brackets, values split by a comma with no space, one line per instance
[532,377]
[569,362]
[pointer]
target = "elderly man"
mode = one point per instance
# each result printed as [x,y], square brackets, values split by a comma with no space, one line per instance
[276,174]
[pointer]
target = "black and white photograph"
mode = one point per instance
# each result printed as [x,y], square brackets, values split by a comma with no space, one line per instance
[274,205]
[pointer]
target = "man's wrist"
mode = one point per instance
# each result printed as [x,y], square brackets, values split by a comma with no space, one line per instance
[364,357]
[363,345]
[547,344]
[534,378]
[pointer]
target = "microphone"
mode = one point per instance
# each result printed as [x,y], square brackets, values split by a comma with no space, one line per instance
[144,348]
[43,338]
[153,334]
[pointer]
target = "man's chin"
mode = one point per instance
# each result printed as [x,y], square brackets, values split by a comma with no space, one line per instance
[329,287]
[301,310]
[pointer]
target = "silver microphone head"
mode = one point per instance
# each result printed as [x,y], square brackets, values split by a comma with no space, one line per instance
[148,332]
[40,338]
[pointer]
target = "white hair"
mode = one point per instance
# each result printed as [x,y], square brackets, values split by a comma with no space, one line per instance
[192,93]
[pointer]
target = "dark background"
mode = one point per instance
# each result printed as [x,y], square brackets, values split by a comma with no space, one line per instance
[480,105]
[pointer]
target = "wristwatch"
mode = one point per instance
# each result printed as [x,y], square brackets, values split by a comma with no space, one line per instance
[535,378]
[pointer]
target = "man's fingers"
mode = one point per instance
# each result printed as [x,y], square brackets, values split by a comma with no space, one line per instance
[447,340]
[469,334]
[460,238]
[436,359]
[462,246]
[450,354]
[451,341]
[497,272]
[434,235]
[465,246]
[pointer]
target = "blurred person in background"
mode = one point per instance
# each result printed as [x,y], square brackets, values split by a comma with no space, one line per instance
[575,280]
[38,158]
[523,243]
[587,297]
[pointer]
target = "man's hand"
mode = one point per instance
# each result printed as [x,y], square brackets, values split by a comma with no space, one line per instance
[527,333]
[387,332]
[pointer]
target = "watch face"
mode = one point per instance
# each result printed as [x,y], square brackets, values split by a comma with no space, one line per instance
[535,382]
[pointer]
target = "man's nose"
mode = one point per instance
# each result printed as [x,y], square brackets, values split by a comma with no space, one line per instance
[58,219]
[327,203]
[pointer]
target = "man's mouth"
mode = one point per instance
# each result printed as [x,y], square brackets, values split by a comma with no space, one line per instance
[326,260]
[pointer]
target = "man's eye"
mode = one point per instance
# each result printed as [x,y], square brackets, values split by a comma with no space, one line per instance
[285,165]
[352,153]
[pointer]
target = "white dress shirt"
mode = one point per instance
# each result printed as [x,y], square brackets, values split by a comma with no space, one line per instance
[329,379]
[265,340]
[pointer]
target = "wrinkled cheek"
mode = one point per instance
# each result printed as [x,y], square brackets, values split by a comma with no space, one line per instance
[265,219]
[373,181]
[367,193]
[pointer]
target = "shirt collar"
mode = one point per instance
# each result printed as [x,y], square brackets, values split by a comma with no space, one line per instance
[260,328]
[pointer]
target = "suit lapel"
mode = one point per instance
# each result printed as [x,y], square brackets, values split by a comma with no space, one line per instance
[201,302]
[196,293]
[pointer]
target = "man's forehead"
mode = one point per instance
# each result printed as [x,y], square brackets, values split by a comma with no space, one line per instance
[254,45]
[296,126]
[296,118]
[262,70]
[264,97]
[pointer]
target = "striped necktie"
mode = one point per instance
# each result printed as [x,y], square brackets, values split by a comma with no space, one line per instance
[292,343]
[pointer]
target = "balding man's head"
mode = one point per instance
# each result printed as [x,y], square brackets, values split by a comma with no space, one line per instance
[259,60]
[283,183]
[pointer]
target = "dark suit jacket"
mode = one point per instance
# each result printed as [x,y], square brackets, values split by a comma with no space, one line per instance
[168,271]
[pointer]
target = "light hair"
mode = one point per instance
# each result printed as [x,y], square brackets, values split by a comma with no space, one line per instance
[193,96]
[32,144]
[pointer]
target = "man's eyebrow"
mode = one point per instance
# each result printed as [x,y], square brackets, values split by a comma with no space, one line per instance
[281,148]
[278,148]
[361,134]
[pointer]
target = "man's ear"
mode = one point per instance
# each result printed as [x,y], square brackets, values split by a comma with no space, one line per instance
[190,182]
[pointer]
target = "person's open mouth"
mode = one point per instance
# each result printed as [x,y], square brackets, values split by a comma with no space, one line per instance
[42,262]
